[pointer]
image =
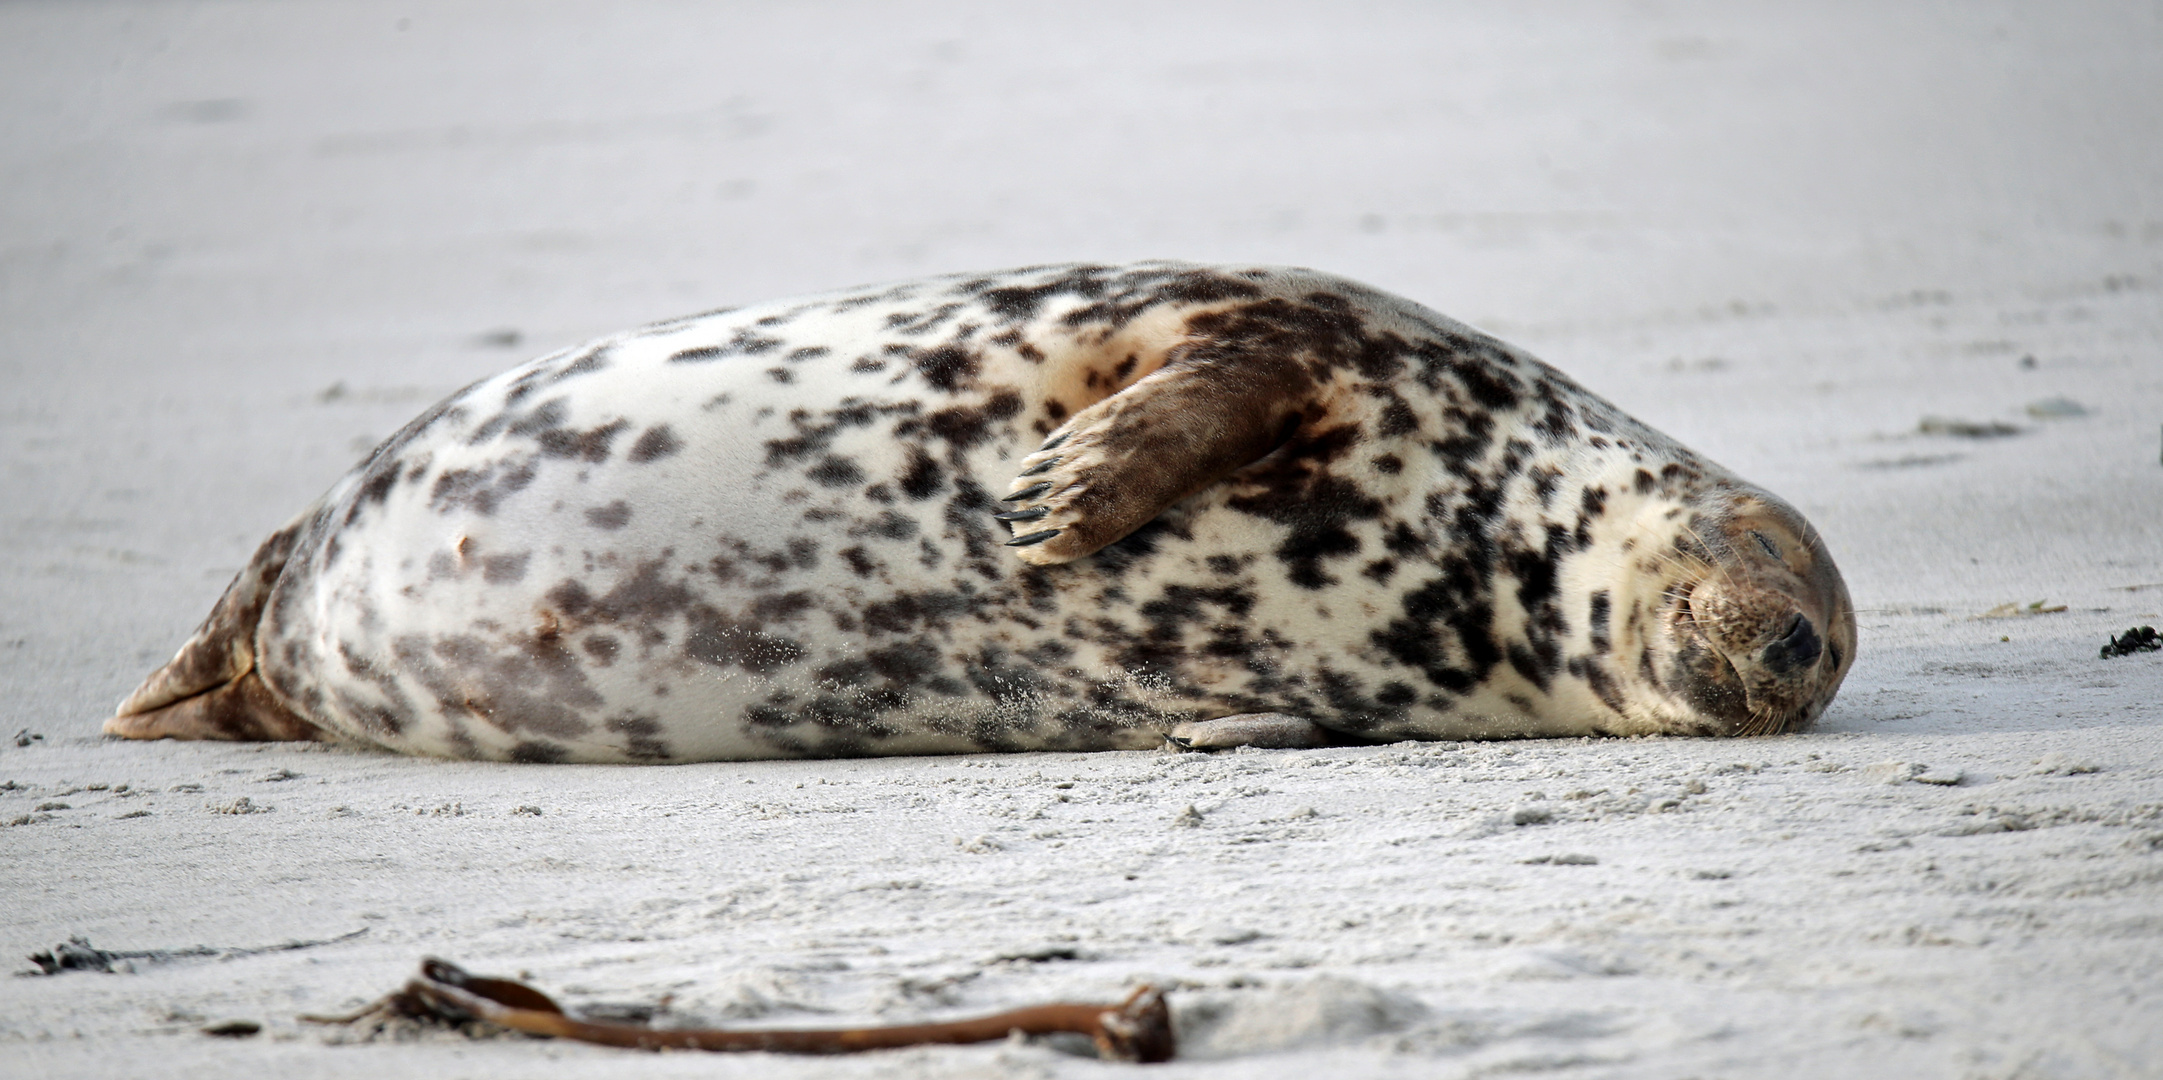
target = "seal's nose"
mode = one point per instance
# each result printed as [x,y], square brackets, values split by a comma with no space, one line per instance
[1796,649]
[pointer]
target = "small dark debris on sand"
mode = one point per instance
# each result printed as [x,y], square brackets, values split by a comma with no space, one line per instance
[233,1029]
[2138,639]
[1967,429]
[78,954]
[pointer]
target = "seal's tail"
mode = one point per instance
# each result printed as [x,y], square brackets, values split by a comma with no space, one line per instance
[211,688]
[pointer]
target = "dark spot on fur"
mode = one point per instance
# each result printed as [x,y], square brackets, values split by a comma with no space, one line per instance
[382,476]
[888,524]
[1528,665]
[593,360]
[1136,548]
[609,518]
[523,386]
[536,752]
[860,561]
[505,569]
[591,446]
[1302,554]
[658,441]
[1136,291]
[1489,384]
[1444,629]
[1315,505]
[1179,605]
[645,596]
[603,648]
[1402,541]
[641,737]
[922,478]
[947,367]
[570,597]
[914,612]
[716,639]
[1397,418]
[742,343]
[535,686]
[964,426]
[1015,303]
[911,663]
[1557,420]
[817,431]
[1603,686]
[836,472]
[480,489]
[1543,483]
[782,607]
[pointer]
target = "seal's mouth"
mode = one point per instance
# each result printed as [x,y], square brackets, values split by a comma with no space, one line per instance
[1703,674]
[1796,649]
[1744,669]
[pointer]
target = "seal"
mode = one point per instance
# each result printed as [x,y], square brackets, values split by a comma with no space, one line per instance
[1070,507]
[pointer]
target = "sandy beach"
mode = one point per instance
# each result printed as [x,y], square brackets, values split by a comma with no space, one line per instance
[1902,264]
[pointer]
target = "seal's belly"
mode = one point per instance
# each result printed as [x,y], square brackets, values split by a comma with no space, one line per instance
[720,557]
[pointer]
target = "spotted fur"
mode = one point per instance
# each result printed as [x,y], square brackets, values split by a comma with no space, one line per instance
[1064,507]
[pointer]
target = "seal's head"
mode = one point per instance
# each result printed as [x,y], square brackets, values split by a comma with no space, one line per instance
[1752,631]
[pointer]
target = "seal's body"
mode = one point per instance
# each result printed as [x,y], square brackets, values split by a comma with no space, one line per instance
[1059,508]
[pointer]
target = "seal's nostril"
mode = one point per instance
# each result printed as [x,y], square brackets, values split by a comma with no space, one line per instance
[1797,648]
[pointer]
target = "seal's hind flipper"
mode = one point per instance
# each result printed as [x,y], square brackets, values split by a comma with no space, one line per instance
[1269,731]
[1212,409]
[210,689]
[242,710]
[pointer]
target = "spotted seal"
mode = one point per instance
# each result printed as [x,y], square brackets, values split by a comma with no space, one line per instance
[1066,507]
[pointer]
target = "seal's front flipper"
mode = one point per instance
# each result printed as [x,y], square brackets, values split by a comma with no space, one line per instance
[1268,731]
[1213,408]
[210,689]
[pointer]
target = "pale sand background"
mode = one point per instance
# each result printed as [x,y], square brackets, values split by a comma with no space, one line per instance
[1782,232]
